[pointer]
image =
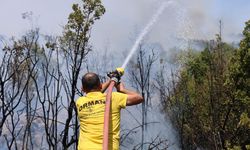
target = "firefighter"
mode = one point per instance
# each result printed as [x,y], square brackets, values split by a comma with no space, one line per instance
[91,110]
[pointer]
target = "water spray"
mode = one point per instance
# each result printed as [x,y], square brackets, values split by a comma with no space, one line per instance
[120,72]
[147,28]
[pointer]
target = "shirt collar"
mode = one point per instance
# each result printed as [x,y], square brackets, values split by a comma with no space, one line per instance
[94,94]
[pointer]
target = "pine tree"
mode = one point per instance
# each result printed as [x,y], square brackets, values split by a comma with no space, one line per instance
[239,84]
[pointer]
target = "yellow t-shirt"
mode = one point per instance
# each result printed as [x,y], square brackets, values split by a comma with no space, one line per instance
[91,116]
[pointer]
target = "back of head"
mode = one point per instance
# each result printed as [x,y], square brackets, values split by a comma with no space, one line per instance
[90,82]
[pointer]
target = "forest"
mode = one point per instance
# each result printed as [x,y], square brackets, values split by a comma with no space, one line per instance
[203,93]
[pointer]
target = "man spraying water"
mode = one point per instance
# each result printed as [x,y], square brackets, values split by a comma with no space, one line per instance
[91,110]
[97,133]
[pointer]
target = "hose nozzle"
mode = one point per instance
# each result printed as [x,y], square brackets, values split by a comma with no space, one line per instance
[120,71]
[116,74]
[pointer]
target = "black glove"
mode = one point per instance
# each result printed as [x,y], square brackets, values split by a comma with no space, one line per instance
[116,75]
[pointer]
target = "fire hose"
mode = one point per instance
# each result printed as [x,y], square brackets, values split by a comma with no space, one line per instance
[115,77]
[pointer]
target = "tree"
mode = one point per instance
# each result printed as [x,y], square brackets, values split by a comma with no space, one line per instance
[140,75]
[198,102]
[18,65]
[238,81]
[48,90]
[32,82]
[75,46]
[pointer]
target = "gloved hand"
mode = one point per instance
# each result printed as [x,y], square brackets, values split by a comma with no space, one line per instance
[116,74]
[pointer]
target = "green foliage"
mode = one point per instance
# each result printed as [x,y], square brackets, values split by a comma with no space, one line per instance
[210,103]
[239,71]
[238,81]
[197,65]
[80,22]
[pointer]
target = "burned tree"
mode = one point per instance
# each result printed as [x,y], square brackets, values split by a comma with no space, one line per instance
[17,67]
[75,46]
[140,77]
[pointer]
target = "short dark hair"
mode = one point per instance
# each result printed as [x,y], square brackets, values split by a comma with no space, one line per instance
[90,81]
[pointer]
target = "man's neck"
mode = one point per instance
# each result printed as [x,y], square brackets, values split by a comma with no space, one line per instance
[94,90]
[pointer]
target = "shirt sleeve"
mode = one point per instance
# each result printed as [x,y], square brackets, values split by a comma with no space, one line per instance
[121,99]
[77,104]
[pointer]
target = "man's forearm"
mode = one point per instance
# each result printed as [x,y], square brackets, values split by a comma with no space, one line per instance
[105,86]
[133,97]
[126,91]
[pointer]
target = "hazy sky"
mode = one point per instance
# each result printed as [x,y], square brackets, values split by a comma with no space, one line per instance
[124,19]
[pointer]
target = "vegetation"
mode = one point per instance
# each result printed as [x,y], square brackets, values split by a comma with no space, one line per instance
[207,99]
[34,91]
[209,103]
